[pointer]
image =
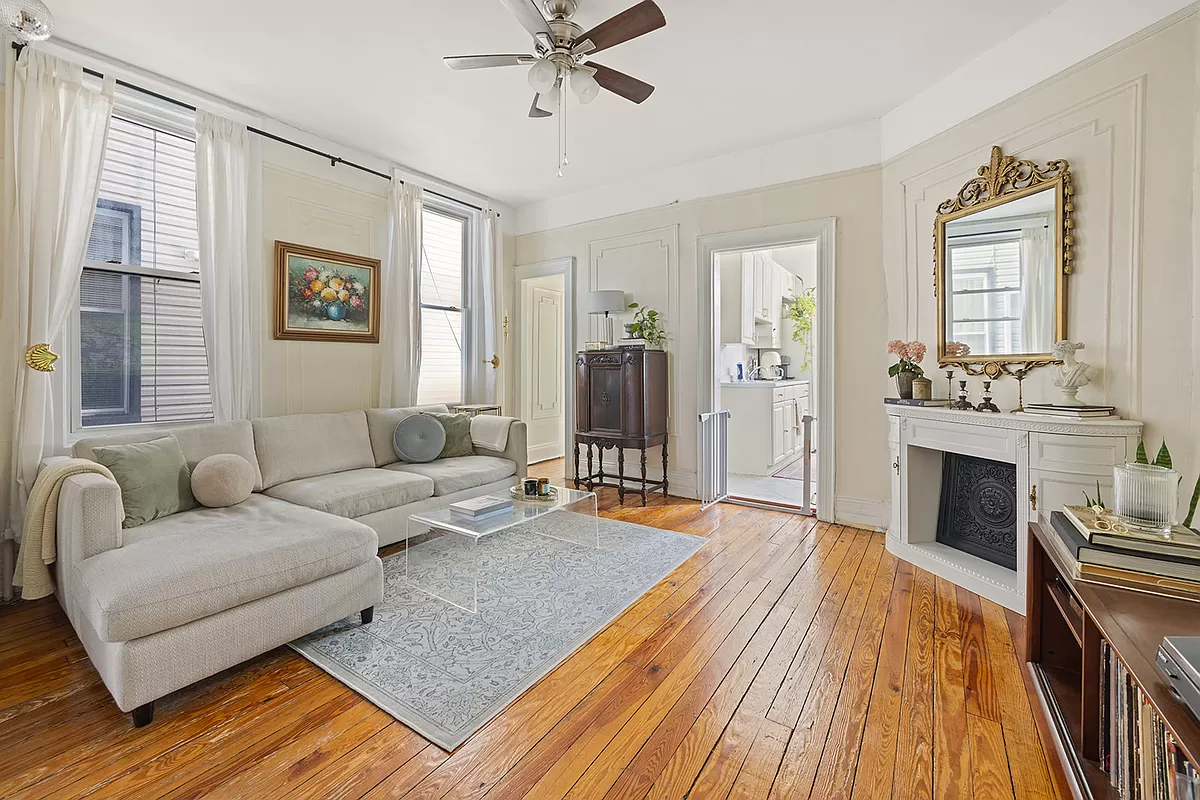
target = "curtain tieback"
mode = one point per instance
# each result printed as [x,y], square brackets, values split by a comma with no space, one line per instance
[41,357]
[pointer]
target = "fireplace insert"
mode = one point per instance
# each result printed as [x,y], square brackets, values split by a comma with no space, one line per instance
[978,509]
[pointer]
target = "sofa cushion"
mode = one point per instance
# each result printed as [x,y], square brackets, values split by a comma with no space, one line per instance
[458,434]
[153,477]
[381,425]
[222,480]
[419,439]
[197,442]
[192,565]
[305,445]
[452,475]
[354,493]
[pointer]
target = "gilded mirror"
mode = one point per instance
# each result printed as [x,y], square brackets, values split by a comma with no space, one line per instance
[1002,251]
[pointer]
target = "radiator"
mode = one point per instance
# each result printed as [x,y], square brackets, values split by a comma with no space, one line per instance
[714,457]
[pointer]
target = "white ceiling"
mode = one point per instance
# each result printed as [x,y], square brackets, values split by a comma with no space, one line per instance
[369,74]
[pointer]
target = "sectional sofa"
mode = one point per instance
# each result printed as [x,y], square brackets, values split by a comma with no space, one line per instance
[165,604]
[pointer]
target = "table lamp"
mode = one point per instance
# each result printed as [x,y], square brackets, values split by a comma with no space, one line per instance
[605,303]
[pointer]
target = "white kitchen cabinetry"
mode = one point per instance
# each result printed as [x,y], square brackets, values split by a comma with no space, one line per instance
[737,303]
[1056,462]
[752,301]
[766,429]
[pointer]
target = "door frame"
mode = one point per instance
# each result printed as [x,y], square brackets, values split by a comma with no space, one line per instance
[566,268]
[824,233]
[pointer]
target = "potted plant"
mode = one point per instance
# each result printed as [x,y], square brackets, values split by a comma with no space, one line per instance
[907,366]
[801,311]
[647,324]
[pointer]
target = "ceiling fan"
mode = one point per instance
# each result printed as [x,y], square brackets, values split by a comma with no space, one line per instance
[563,53]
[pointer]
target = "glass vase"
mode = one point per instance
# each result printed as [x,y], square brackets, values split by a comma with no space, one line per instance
[1145,496]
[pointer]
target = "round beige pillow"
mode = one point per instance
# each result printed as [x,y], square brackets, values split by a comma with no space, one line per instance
[222,480]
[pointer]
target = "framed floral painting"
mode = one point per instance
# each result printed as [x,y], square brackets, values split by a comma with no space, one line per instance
[323,296]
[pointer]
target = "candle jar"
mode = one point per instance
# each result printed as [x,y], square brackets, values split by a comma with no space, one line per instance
[1144,496]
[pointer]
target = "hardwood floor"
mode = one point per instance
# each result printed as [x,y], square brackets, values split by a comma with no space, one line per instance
[787,659]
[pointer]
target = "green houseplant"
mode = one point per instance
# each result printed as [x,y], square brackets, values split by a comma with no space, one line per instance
[1163,459]
[801,311]
[647,324]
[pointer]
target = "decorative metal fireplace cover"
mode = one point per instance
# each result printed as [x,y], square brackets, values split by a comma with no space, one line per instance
[978,509]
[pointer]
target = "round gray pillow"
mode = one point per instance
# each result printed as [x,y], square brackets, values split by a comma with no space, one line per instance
[419,439]
[222,480]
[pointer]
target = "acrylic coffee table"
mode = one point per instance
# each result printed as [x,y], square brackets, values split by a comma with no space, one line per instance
[425,565]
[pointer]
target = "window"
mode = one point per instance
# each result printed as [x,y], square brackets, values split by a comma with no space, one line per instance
[141,344]
[984,310]
[444,257]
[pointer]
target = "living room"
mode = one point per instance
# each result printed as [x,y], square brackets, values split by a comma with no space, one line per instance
[372,426]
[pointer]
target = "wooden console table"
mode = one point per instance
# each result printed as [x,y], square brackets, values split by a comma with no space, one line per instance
[621,402]
[1065,622]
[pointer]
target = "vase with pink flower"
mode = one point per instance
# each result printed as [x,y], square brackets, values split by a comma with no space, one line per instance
[908,365]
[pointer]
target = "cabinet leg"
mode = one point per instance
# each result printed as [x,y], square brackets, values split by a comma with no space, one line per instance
[621,475]
[665,459]
[590,480]
[643,475]
[575,447]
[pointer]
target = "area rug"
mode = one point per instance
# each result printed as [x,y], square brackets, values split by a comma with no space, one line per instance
[445,672]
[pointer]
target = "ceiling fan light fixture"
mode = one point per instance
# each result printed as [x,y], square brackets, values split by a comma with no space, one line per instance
[548,101]
[543,75]
[585,86]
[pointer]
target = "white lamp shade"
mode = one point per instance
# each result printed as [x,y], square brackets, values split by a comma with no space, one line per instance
[609,301]
[543,75]
[585,86]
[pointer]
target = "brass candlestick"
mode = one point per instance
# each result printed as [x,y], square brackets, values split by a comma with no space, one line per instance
[949,384]
[1020,376]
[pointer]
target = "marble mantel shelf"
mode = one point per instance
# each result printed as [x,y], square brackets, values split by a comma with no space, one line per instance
[1034,423]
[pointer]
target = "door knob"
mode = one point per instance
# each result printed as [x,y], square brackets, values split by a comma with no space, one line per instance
[896,465]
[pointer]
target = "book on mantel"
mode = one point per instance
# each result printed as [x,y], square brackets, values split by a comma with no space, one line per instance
[903,401]
[1170,576]
[1070,412]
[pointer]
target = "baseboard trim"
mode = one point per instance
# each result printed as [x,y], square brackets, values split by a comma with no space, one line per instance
[861,513]
[546,452]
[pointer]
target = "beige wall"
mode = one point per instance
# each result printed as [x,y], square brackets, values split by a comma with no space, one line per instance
[1125,122]
[652,255]
[306,201]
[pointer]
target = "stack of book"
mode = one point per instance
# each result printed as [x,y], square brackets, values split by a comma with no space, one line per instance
[902,401]
[1069,412]
[485,506]
[1130,559]
[1137,751]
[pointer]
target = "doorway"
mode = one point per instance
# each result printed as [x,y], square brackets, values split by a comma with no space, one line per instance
[771,362]
[543,317]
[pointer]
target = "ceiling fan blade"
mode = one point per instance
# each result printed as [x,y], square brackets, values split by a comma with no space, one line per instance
[538,113]
[631,23]
[527,13]
[621,84]
[482,62]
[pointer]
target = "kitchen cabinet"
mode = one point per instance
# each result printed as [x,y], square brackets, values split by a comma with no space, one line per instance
[737,301]
[752,298]
[766,429]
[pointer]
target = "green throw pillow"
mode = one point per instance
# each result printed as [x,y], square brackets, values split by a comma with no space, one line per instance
[458,434]
[153,476]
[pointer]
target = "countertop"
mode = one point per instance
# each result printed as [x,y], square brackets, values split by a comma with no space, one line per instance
[760,384]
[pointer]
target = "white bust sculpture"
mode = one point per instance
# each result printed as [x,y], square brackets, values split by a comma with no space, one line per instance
[1071,375]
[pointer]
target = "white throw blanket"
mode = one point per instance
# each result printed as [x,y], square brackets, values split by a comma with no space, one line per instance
[38,541]
[490,432]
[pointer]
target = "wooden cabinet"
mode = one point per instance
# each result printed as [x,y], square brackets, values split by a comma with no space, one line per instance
[620,402]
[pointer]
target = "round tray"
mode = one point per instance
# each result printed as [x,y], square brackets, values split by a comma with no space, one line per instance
[518,493]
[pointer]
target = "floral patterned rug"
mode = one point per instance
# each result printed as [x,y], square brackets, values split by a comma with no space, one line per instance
[445,672]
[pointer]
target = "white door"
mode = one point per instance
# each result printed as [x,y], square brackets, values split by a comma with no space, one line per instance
[541,374]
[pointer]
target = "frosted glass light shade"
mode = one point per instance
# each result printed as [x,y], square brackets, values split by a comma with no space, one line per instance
[606,302]
[585,86]
[27,20]
[1145,496]
[543,75]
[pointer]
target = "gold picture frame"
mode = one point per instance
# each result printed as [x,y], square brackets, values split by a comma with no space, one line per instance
[1005,179]
[325,296]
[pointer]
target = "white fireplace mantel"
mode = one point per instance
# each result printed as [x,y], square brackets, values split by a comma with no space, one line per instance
[1056,461]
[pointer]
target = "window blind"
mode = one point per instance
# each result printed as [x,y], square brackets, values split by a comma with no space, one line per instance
[443,261]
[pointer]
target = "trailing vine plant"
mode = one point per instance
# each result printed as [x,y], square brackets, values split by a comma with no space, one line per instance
[801,311]
[647,324]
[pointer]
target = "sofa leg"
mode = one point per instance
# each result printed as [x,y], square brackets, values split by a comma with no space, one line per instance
[367,615]
[142,715]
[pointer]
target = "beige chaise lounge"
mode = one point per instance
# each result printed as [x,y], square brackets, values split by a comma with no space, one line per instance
[165,604]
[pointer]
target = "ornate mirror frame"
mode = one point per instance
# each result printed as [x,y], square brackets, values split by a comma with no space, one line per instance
[1003,180]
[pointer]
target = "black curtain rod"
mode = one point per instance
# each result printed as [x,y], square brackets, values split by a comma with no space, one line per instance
[333,160]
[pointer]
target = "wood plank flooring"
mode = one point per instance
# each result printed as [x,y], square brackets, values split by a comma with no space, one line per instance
[787,659]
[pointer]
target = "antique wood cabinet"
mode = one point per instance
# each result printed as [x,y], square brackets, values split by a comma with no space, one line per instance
[621,402]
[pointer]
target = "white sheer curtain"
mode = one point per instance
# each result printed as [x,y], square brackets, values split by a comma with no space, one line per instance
[483,379]
[229,286]
[401,335]
[55,131]
[1038,306]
